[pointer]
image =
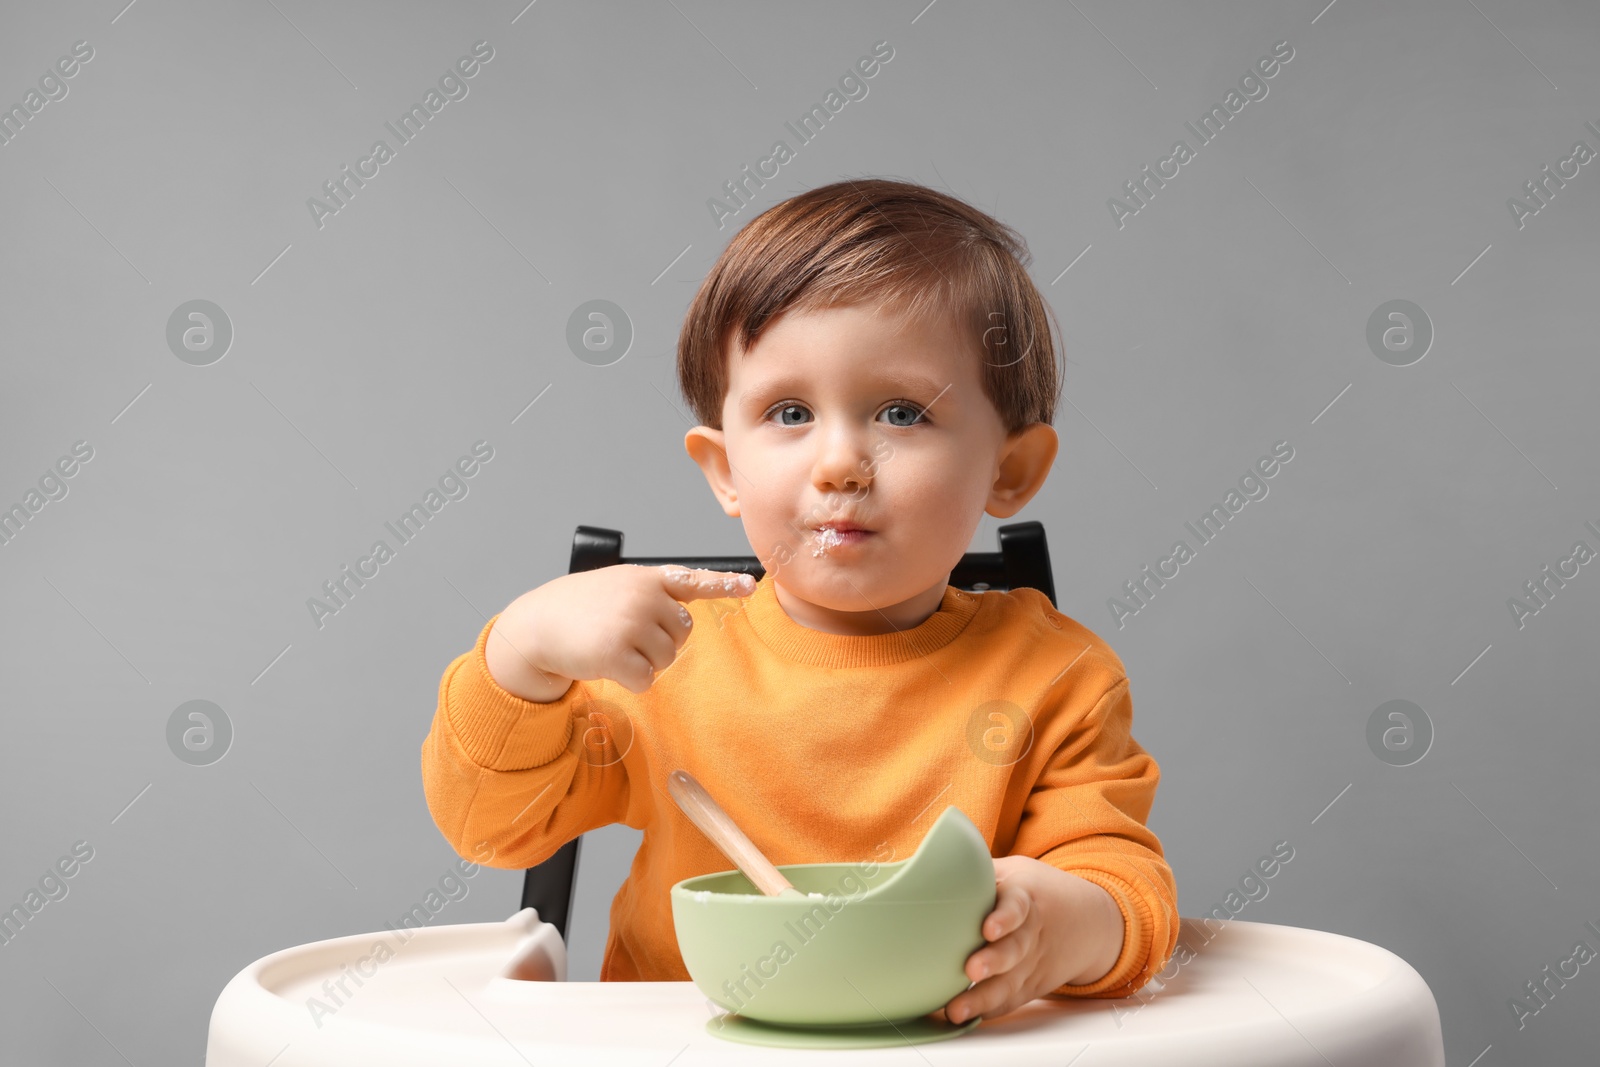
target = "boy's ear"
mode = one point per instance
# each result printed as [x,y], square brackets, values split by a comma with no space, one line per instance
[1025,461]
[707,448]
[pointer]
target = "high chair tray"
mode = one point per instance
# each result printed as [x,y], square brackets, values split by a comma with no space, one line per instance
[493,994]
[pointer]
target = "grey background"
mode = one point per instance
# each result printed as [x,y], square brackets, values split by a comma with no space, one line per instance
[431,311]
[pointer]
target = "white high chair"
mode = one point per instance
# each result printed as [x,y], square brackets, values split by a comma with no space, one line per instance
[492,994]
[1252,995]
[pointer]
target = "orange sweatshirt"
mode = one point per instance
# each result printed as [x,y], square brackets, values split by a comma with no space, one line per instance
[824,748]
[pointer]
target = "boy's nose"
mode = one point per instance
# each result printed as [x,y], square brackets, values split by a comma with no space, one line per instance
[843,465]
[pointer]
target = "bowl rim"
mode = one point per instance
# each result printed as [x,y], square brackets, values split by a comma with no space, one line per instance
[952,814]
[687,885]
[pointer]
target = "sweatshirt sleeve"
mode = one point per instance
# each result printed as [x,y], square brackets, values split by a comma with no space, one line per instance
[515,780]
[1086,815]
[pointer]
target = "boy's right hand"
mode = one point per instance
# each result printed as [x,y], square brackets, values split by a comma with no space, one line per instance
[625,622]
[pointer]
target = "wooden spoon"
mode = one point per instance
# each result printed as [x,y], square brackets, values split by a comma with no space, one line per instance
[716,824]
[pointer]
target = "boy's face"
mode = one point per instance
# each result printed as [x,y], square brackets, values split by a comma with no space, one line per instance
[852,414]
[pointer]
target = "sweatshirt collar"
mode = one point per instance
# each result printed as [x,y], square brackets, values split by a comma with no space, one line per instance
[793,641]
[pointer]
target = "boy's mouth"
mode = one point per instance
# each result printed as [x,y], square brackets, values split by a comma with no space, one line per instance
[842,526]
[840,534]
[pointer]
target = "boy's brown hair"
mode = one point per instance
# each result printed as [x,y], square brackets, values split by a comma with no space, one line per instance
[905,246]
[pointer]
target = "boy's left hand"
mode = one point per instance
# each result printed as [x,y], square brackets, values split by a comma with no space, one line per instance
[1048,928]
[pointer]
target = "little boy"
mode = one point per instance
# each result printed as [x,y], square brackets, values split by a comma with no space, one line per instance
[873,371]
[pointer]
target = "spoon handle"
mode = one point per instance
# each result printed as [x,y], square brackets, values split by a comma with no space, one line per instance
[716,824]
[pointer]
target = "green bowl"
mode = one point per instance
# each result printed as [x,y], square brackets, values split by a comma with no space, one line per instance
[884,942]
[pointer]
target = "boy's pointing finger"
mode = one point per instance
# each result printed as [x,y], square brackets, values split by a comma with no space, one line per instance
[684,583]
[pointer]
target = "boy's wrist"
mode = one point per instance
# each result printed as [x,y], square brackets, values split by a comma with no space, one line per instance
[514,671]
[1104,936]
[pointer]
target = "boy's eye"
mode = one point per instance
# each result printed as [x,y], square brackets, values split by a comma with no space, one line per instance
[911,412]
[901,414]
